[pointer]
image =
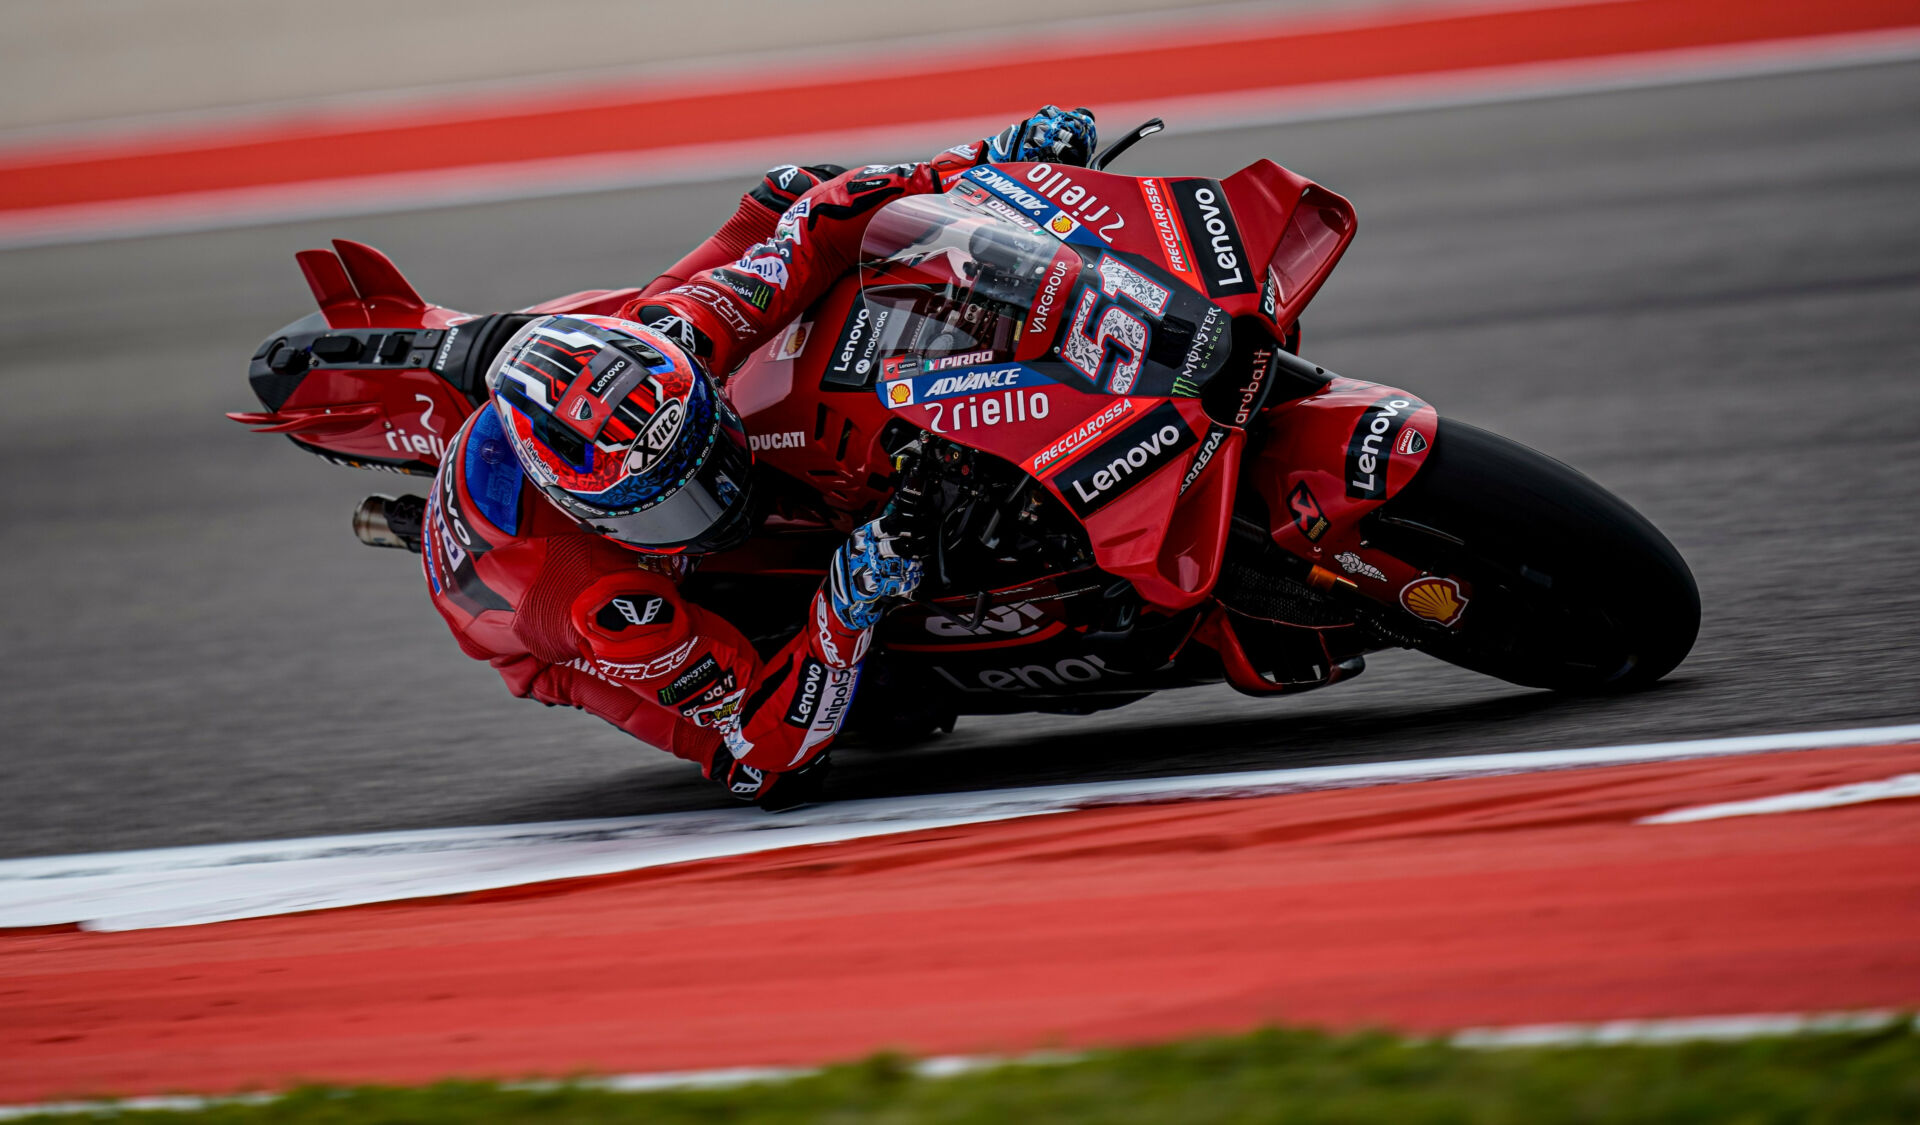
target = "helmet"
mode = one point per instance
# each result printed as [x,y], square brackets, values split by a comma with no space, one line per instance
[625,432]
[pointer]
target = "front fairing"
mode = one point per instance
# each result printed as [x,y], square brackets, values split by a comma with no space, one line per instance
[1029,338]
[959,330]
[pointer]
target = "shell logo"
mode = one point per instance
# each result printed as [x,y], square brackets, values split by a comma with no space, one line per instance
[1434,599]
[1061,225]
[900,393]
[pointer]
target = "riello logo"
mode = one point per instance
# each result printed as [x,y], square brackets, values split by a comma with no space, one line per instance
[426,444]
[1076,201]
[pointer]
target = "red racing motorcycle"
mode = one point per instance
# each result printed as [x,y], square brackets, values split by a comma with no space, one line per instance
[1139,484]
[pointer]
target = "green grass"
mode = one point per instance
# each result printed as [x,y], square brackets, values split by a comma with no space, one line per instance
[1296,1077]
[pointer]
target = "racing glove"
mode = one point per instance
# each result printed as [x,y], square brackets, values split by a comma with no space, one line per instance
[771,790]
[879,563]
[1063,136]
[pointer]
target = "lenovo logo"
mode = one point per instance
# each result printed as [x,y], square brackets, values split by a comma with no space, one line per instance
[862,337]
[1370,449]
[806,697]
[1217,249]
[1131,456]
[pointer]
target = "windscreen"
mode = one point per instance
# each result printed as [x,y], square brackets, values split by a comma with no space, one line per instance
[950,281]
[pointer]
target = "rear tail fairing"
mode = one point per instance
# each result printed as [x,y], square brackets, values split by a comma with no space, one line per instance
[379,378]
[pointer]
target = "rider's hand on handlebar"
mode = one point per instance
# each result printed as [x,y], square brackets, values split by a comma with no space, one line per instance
[907,527]
[874,567]
[1064,136]
[879,564]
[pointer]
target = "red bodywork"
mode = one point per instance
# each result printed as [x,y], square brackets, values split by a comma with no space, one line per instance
[397,415]
[1167,544]
[1167,535]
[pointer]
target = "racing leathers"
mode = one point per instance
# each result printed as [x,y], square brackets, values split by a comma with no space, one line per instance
[568,618]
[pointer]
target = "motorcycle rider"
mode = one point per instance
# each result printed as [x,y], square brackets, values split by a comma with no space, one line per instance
[622,426]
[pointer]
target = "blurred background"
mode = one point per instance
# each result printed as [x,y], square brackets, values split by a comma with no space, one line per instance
[1687,263]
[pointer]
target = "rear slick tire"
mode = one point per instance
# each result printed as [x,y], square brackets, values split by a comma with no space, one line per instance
[1572,590]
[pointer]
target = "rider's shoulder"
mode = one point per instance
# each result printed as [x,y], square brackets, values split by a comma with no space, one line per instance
[629,609]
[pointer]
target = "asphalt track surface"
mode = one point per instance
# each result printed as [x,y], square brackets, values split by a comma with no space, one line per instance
[1704,296]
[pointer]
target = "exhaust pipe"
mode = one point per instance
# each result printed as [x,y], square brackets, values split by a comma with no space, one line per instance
[390,521]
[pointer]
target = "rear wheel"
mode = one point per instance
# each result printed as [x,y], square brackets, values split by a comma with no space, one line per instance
[1571,589]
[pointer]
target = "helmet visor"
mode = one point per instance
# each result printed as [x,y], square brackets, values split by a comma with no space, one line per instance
[708,513]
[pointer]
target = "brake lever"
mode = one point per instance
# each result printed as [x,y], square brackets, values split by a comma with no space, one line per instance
[1133,137]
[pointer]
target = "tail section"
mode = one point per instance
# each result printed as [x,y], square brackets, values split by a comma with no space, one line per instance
[385,294]
[379,379]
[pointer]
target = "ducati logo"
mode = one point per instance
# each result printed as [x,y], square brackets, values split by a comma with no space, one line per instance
[1410,441]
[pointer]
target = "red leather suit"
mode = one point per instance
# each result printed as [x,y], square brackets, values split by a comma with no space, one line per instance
[567,617]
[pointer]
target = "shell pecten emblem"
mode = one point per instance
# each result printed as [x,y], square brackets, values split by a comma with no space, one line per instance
[1434,599]
[900,393]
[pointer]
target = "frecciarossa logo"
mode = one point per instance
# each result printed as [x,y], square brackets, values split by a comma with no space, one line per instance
[1124,460]
[1371,448]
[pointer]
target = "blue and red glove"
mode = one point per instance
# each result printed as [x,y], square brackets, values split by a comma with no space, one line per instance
[1063,136]
[876,567]
[878,564]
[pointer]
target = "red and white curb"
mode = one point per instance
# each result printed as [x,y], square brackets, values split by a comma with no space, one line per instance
[596,137]
[476,184]
[222,882]
[1890,789]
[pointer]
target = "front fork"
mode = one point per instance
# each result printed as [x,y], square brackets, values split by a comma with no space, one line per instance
[1313,662]
[1320,463]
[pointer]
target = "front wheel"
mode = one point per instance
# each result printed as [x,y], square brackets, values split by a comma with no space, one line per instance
[1572,589]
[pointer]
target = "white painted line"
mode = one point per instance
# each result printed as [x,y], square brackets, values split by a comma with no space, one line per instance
[1888,789]
[1687,1029]
[221,882]
[174,1103]
[691,164]
[723,1078]
[193,886]
[938,1066]
[1684,1029]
